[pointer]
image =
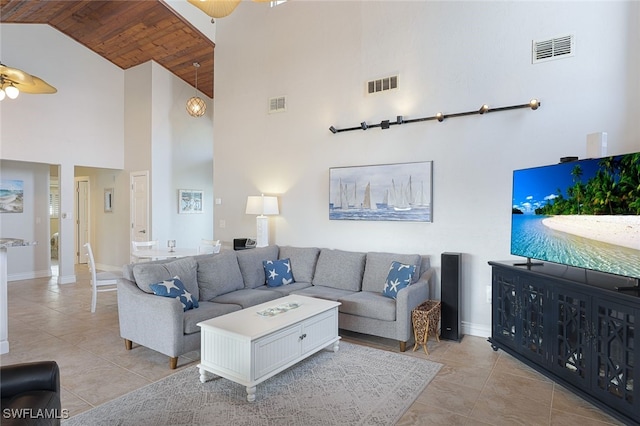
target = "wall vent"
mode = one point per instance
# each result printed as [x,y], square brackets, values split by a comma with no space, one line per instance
[278,104]
[554,48]
[382,84]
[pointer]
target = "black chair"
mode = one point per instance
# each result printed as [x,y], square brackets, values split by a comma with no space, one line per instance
[30,394]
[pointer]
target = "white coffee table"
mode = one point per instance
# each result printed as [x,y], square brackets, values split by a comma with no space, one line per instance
[256,343]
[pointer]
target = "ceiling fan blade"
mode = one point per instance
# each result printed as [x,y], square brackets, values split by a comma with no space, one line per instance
[16,75]
[38,87]
[216,8]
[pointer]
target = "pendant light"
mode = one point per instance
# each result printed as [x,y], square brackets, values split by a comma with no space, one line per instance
[195,105]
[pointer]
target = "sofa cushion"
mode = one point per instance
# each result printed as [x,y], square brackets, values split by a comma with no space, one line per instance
[398,278]
[247,297]
[219,274]
[377,269]
[207,310]
[303,261]
[322,292]
[339,269]
[277,272]
[151,273]
[175,289]
[250,262]
[285,290]
[368,304]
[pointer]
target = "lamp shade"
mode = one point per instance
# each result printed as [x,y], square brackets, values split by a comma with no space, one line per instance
[216,8]
[262,205]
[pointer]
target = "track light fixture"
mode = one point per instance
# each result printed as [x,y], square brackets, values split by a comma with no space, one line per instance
[533,104]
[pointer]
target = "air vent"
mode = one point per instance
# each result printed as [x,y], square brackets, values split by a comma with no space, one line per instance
[382,84]
[278,104]
[555,48]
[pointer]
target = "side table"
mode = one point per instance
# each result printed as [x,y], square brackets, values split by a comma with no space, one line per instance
[425,318]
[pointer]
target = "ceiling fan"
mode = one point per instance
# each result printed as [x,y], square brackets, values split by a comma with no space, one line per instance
[218,8]
[13,81]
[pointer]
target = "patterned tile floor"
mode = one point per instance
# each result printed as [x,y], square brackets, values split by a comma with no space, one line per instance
[476,386]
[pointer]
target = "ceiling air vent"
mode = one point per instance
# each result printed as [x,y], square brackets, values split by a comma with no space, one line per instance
[555,48]
[382,84]
[278,104]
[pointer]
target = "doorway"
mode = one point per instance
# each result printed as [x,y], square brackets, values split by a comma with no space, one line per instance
[139,213]
[82,216]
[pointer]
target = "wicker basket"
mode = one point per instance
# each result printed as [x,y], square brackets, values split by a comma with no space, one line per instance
[426,319]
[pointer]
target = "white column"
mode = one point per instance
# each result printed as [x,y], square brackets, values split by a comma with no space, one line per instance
[4,308]
[66,241]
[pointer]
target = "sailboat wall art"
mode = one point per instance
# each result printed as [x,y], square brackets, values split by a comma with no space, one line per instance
[392,192]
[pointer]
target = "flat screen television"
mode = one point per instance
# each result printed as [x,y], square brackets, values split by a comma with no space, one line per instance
[582,213]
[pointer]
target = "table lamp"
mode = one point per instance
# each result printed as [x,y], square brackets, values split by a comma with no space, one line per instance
[262,206]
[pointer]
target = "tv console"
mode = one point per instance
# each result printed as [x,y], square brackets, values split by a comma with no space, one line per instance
[574,327]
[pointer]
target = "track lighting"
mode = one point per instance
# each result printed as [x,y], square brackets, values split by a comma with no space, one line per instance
[533,104]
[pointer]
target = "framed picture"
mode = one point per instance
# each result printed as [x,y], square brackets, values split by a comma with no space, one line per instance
[189,201]
[11,196]
[108,200]
[394,192]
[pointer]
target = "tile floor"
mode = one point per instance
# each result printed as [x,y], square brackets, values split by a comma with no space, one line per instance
[476,385]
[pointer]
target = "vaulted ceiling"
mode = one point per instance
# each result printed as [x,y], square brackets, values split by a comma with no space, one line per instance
[127,33]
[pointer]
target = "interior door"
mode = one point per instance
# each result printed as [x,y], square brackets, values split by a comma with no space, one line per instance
[139,206]
[82,217]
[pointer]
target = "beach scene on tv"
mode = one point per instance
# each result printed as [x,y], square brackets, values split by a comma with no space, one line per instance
[583,213]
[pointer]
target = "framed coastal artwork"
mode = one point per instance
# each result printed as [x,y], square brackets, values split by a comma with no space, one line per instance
[11,196]
[392,192]
[189,201]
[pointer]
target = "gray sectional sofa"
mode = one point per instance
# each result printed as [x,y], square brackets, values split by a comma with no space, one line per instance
[229,281]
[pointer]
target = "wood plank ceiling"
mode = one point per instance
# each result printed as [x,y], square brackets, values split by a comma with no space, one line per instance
[127,33]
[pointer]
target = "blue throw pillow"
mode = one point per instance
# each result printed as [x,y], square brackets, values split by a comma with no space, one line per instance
[398,278]
[277,272]
[175,288]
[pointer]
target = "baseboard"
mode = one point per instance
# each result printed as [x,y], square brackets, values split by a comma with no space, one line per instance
[29,275]
[66,279]
[478,330]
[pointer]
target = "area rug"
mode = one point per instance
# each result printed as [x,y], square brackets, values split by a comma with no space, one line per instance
[357,385]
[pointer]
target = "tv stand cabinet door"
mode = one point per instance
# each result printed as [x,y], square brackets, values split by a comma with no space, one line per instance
[532,340]
[504,307]
[572,347]
[616,361]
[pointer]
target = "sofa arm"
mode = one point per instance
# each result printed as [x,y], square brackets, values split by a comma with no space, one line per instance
[19,378]
[407,300]
[149,320]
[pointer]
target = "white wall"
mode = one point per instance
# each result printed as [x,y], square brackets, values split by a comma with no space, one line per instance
[105,123]
[80,124]
[30,225]
[451,57]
